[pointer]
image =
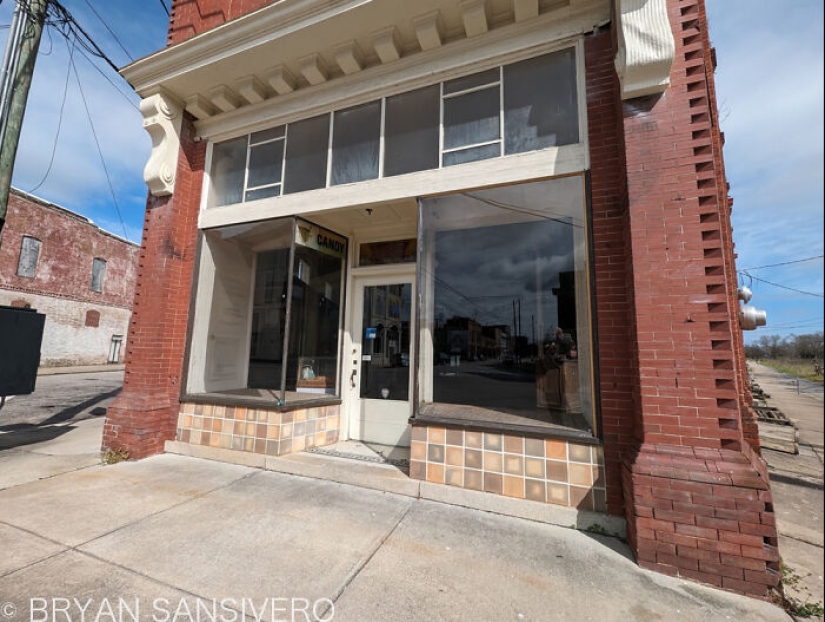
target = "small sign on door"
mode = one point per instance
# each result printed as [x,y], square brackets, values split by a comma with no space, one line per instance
[371,333]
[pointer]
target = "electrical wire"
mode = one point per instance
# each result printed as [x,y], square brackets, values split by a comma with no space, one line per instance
[798,291]
[59,122]
[165,10]
[99,150]
[114,36]
[784,263]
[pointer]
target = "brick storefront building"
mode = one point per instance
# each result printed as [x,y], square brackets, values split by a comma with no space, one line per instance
[79,276]
[494,232]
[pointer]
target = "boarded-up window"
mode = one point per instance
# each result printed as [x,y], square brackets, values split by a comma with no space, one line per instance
[98,274]
[92,318]
[29,254]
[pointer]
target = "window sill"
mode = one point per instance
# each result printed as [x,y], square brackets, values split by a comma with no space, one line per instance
[484,420]
[265,402]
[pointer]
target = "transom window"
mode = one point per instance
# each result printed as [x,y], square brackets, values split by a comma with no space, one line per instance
[523,106]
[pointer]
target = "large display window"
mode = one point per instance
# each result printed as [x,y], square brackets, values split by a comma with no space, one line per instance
[505,314]
[268,312]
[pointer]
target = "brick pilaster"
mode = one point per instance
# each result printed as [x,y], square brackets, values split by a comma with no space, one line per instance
[694,455]
[145,413]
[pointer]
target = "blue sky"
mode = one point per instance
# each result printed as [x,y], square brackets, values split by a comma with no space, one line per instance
[770,93]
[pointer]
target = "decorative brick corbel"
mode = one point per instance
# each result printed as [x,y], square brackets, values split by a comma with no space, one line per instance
[646,47]
[162,118]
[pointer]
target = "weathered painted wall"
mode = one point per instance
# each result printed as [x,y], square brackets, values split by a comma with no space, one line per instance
[61,285]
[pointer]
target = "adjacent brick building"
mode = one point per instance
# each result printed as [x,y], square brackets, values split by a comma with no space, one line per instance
[79,276]
[495,232]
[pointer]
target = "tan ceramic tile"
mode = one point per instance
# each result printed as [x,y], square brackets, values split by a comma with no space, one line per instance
[299,428]
[299,443]
[239,428]
[581,474]
[260,430]
[513,464]
[220,411]
[455,437]
[185,435]
[473,458]
[555,449]
[418,433]
[492,461]
[207,424]
[493,483]
[197,423]
[454,476]
[513,444]
[260,446]
[535,490]
[320,439]
[199,409]
[514,486]
[435,453]
[251,414]
[580,453]
[534,447]
[230,412]
[301,415]
[286,431]
[249,444]
[435,473]
[250,428]
[558,494]
[237,443]
[214,439]
[473,439]
[556,471]
[455,456]
[226,441]
[288,417]
[205,438]
[534,467]
[272,448]
[240,413]
[492,441]
[334,422]
[321,425]
[473,479]
[418,469]
[188,408]
[331,436]
[418,450]
[284,447]
[195,438]
[273,432]
[207,410]
[186,421]
[436,435]
[273,417]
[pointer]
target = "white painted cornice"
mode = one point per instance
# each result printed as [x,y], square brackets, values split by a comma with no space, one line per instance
[646,47]
[162,118]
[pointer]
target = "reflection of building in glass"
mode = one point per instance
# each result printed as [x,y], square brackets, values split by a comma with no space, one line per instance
[526,177]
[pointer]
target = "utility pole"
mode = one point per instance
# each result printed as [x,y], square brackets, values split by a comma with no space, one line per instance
[33,14]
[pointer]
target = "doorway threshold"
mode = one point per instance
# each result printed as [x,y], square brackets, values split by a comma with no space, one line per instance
[367,452]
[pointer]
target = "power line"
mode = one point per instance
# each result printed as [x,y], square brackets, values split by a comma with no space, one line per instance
[163,4]
[114,36]
[784,263]
[59,122]
[99,151]
[798,291]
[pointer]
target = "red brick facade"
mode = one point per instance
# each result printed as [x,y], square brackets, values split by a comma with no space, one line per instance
[68,244]
[678,431]
[144,415]
[697,498]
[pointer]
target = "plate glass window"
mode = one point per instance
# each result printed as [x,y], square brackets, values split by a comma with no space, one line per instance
[29,254]
[98,274]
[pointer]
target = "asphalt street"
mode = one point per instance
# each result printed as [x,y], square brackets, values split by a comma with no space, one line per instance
[61,398]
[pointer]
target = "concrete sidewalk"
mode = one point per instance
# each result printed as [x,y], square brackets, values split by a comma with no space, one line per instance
[170,537]
[797,485]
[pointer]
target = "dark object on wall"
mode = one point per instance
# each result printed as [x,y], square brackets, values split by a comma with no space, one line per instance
[21,333]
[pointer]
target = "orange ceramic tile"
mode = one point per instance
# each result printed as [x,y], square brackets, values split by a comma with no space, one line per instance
[581,474]
[492,461]
[556,471]
[513,464]
[273,432]
[435,473]
[455,456]
[492,441]
[513,444]
[436,435]
[473,479]
[217,425]
[514,486]
[249,429]
[581,498]
[418,450]
[555,449]
[455,437]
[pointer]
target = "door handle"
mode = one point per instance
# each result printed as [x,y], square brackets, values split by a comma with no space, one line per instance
[352,377]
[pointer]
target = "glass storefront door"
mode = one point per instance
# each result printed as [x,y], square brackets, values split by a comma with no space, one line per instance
[380,377]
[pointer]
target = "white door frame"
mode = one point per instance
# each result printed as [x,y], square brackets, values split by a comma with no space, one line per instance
[352,403]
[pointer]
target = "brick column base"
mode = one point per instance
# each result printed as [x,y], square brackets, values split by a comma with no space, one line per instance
[141,424]
[704,514]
